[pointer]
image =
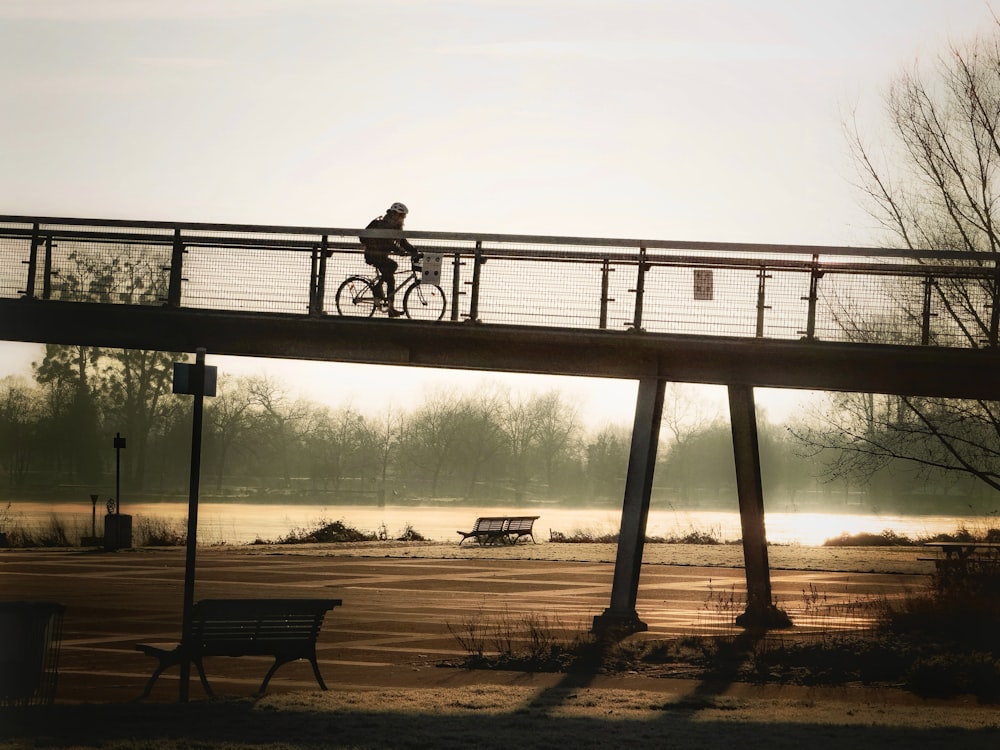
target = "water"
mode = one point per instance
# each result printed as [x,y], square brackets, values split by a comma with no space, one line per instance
[241,523]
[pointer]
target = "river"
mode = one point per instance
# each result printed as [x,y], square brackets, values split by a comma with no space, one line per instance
[241,523]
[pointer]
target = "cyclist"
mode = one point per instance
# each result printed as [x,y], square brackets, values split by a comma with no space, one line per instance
[378,250]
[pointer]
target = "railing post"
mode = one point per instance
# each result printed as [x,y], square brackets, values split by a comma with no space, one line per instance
[640,289]
[29,289]
[474,298]
[925,319]
[176,271]
[456,284]
[317,277]
[995,312]
[761,307]
[47,273]
[814,278]
[605,299]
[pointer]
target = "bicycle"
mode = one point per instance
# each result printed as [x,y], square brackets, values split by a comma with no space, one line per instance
[357,297]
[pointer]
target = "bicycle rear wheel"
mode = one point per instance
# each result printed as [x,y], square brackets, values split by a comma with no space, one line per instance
[356,297]
[424,302]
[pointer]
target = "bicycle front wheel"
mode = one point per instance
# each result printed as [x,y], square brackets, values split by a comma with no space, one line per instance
[356,297]
[424,302]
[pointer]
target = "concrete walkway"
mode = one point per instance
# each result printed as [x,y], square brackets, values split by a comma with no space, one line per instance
[400,615]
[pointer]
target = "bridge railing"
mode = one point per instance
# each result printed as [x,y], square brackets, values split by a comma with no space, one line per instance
[937,298]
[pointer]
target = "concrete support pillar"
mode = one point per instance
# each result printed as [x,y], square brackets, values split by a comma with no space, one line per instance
[621,615]
[760,611]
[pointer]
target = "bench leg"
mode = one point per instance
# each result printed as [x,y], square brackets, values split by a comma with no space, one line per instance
[174,659]
[278,661]
[152,680]
[319,677]
[204,680]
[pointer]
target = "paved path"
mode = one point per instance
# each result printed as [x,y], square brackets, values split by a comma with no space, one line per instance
[396,625]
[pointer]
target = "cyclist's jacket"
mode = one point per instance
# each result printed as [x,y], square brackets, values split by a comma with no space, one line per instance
[379,248]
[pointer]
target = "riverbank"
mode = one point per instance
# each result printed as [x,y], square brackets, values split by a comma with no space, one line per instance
[889,560]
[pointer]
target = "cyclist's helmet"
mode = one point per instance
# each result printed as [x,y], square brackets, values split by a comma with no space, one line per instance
[399,208]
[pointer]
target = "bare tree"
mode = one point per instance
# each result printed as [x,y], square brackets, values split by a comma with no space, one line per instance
[557,425]
[229,415]
[20,405]
[935,185]
[431,435]
[278,418]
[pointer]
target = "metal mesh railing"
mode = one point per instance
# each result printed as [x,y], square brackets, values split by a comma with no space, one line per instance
[706,289]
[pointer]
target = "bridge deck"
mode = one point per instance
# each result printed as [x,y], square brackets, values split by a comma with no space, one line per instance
[895,321]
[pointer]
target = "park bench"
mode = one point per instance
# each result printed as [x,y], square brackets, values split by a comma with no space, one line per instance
[500,529]
[283,628]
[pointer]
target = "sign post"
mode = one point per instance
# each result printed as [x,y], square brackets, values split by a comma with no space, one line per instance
[198,381]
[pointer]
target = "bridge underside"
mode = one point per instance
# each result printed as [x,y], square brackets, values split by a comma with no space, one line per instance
[818,365]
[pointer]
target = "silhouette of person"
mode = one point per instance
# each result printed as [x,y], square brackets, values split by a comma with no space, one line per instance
[378,250]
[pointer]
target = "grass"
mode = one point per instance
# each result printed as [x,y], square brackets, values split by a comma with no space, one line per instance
[589,536]
[938,643]
[333,532]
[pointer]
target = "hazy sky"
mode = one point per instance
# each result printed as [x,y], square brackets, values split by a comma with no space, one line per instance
[665,119]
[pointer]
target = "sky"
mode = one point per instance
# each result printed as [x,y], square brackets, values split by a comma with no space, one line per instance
[701,120]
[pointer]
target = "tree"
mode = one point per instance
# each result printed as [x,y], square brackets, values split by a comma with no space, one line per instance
[519,425]
[67,372]
[557,424]
[276,421]
[431,436]
[480,442]
[936,185]
[136,389]
[607,461]
[19,409]
[229,418]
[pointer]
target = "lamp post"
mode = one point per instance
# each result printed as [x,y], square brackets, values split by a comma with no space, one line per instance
[198,381]
[119,445]
[117,528]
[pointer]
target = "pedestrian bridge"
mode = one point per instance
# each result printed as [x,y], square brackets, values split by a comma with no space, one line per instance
[838,318]
[916,322]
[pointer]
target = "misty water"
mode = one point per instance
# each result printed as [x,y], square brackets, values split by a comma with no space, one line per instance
[242,523]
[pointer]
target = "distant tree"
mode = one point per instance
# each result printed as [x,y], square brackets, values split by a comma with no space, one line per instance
[229,417]
[519,423]
[607,461]
[380,438]
[72,417]
[556,436]
[431,434]
[333,441]
[135,391]
[20,405]
[276,423]
[480,441]
[684,420]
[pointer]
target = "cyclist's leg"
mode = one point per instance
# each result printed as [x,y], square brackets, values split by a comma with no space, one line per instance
[388,270]
[375,260]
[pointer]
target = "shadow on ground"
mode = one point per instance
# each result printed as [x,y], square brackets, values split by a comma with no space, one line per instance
[497,717]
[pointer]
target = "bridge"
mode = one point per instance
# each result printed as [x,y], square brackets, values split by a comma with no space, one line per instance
[914,322]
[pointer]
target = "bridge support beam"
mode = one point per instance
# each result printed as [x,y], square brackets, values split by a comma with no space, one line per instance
[760,611]
[620,616]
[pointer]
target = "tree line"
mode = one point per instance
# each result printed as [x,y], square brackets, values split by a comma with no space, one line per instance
[490,444]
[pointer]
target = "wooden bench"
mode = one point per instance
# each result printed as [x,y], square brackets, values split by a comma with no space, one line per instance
[283,628]
[500,529]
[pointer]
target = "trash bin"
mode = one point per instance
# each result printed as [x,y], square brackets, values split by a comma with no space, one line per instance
[30,634]
[117,531]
